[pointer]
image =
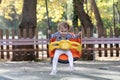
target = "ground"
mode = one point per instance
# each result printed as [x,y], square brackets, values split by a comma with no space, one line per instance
[84,70]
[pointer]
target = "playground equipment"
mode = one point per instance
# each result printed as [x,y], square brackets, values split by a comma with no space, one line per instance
[74,45]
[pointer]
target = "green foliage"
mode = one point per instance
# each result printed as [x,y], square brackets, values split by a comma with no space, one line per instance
[10,12]
[105,8]
[107,22]
[59,10]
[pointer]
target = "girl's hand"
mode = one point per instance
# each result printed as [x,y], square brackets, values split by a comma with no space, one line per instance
[79,34]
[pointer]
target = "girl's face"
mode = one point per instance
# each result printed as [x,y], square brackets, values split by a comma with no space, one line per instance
[63,30]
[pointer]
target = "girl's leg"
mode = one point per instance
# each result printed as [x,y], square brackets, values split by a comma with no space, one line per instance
[55,61]
[70,58]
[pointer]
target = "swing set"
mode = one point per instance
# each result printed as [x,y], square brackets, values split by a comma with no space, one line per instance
[74,45]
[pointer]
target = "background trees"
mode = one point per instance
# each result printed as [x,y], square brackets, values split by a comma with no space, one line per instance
[84,18]
[63,10]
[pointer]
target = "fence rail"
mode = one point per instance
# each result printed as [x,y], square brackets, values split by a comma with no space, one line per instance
[107,49]
[22,48]
[12,48]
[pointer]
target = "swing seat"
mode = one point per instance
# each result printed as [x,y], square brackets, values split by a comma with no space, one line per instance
[74,45]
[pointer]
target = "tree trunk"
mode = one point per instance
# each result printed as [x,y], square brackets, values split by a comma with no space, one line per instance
[0,1]
[84,18]
[86,24]
[28,25]
[29,15]
[99,23]
[118,11]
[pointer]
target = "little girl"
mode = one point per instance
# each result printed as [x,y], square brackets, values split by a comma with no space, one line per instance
[62,34]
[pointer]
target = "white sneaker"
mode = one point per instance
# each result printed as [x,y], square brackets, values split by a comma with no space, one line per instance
[53,72]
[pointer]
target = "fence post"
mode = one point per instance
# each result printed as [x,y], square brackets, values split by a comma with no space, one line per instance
[1,46]
[7,47]
[13,47]
[37,46]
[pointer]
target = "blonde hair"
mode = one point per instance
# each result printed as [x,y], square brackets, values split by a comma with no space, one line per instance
[65,24]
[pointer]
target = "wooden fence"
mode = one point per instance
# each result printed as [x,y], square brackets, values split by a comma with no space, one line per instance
[17,48]
[103,49]
[107,51]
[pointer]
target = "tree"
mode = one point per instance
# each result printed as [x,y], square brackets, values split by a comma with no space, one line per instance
[29,15]
[83,17]
[117,13]
[75,18]
[28,22]
[99,23]
[85,22]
